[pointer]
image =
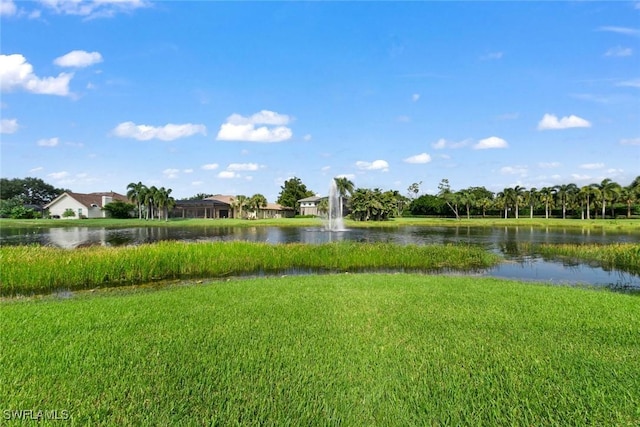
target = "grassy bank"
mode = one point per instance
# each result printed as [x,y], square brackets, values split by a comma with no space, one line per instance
[34,269]
[625,225]
[622,256]
[328,350]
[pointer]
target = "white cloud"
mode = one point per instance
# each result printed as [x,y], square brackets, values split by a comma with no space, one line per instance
[17,73]
[579,177]
[58,175]
[188,170]
[621,30]
[349,176]
[630,141]
[227,175]
[514,170]
[307,137]
[375,165]
[549,121]
[37,169]
[94,8]
[619,51]
[630,83]
[418,159]
[592,166]
[210,166]
[7,8]
[197,183]
[492,55]
[51,142]
[491,142]
[443,143]
[171,173]
[240,128]
[78,59]
[415,97]
[325,168]
[549,165]
[9,125]
[168,132]
[243,167]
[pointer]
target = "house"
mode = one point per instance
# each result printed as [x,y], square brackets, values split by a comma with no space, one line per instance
[218,206]
[309,205]
[82,205]
[273,210]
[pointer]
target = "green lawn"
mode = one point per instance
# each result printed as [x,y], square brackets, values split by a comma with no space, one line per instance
[345,349]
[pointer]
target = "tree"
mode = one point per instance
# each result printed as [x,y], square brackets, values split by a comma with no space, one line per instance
[427,205]
[119,209]
[450,198]
[135,193]
[32,191]
[414,190]
[238,203]
[292,191]
[466,198]
[344,187]
[565,193]
[547,195]
[531,197]
[14,208]
[256,202]
[608,192]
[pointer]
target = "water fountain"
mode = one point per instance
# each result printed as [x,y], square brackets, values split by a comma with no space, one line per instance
[335,221]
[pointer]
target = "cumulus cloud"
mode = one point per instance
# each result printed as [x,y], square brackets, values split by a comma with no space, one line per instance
[210,166]
[415,97]
[619,51]
[168,132]
[58,175]
[630,141]
[549,121]
[227,174]
[171,173]
[94,8]
[7,8]
[50,142]
[630,83]
[78,59]
[443,143]
[16,73]
[349,176]
[243,167]
[375,165]
[491,142]
[514,170]
[240,128]
[621,30]
[418,159]
[549,165]
[592,166]
[9,125]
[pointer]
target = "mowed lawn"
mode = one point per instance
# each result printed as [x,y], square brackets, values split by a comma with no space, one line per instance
[348,349]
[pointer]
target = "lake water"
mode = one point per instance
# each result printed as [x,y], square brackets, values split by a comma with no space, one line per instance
[503,240]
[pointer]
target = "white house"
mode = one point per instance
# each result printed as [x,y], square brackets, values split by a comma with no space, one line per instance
[83,205]
[309,205]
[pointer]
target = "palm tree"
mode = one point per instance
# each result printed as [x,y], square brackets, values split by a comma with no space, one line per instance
[164,202]
[256,202]
[500,202]
[136,195]
[531,197]
[150,196]
[608,192]
[627,196]
[517,195]
[239,203]
[565,194]
[466,198]
[344,186]
[546,197]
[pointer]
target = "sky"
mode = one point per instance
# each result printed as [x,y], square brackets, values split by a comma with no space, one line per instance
[237,97]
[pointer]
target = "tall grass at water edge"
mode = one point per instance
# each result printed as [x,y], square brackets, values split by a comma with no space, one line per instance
[393,350]
[621,256]
[36,270]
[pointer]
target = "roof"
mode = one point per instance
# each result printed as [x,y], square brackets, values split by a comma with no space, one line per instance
[312,199]
[277,207]
[222,198]
[90,198]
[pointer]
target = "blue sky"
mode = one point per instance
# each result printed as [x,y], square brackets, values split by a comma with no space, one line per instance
[236,97]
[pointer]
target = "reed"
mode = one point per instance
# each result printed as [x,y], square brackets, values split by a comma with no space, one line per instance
[621,256]
[356,349]
[30,270]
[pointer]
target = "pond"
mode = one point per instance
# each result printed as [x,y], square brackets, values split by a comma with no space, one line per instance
[503,240]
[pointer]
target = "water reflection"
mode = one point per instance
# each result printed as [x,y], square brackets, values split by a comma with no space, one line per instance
[507,241]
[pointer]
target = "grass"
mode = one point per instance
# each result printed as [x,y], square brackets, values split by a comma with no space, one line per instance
[28,270]
[622,256]
[328,350]
[625,225]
